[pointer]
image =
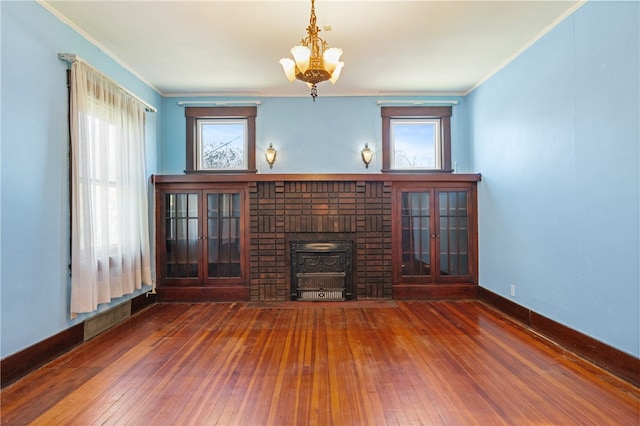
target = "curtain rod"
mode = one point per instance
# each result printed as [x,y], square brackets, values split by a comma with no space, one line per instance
[72,57]
[216,103]
[421,102]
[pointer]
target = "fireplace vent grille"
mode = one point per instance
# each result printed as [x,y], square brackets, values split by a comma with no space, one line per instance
[324,286]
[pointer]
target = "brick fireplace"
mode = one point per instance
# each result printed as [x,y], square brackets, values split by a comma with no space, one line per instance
[355,213]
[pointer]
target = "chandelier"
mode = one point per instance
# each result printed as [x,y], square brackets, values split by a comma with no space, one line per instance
[314,62]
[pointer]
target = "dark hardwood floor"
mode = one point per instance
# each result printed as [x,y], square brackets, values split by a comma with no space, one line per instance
[341,363]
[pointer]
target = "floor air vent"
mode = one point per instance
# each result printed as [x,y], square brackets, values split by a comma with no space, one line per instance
[107,319]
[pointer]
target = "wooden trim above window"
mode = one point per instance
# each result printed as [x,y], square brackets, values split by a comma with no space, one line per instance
[416,111]
[213,112]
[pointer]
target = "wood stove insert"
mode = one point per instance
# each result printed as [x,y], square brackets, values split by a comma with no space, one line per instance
[321,270]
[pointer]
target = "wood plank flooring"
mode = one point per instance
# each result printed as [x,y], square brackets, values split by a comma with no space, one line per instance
[342,363]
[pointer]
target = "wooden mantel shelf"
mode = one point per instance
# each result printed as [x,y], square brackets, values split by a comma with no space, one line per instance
[272,177]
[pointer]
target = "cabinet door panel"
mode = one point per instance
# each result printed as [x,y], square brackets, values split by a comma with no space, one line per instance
[181,243]
[416,234]
[223,236]
[453,237]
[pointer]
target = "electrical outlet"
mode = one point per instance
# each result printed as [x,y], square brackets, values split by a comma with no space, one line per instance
[513,290]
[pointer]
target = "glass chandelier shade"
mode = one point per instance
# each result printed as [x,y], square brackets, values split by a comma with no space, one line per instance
[313,60]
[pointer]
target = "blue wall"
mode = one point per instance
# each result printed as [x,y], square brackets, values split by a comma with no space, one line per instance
[325,136]
[34,286]
[556,135]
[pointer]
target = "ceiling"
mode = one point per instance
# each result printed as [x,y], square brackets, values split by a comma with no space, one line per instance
[184,48]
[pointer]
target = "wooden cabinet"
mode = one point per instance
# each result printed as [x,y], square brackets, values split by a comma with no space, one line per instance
[435,240]
[228,236]
[201,244]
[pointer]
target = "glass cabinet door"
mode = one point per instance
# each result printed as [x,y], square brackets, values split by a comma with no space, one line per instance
[200,238]
[223,235]
[453,217]
[182,250]
[416,233]
[434,237]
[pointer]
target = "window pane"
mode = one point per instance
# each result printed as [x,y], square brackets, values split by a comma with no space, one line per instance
[222,144]
[415,144]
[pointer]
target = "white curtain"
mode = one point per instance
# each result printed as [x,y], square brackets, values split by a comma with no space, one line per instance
[110,254]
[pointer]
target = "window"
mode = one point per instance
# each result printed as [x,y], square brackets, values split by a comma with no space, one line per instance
[110,251]
[416,139]
[100,180]
[221,139]
[415,143]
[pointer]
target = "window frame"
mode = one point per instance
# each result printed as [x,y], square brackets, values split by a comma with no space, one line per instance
[195,114]
[441,113]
